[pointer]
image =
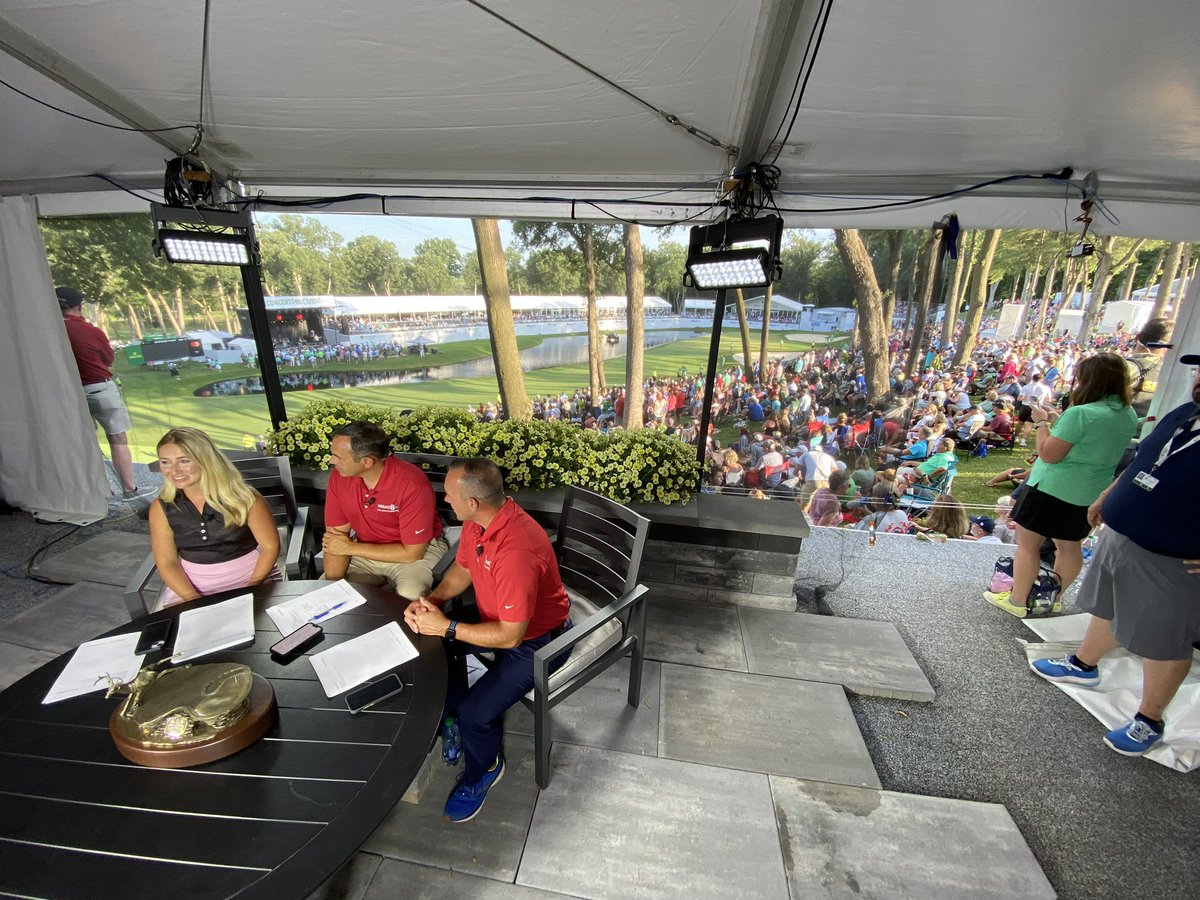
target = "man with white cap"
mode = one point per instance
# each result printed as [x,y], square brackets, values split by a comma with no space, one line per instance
[1143,584]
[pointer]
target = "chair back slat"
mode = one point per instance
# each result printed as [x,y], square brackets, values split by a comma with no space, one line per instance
[599,545]
[598,574]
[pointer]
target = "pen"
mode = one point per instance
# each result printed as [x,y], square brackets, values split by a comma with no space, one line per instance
[329,612]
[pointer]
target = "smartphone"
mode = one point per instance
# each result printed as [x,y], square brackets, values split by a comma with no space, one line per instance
[307,635]
[375,692]
[154,637]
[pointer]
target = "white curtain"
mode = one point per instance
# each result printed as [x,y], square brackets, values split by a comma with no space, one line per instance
[1175,383]
[50,462]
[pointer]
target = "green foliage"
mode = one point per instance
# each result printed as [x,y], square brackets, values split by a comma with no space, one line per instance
[628,466]
[664,266]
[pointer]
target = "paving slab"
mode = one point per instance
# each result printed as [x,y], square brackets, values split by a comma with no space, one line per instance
[864,656]
[351,881]
[109,558]
[599,716]
[16,662]
[847,842]
[489,845]
[694,632]
[75,614]
[761,724]
[413,882]
[619,825]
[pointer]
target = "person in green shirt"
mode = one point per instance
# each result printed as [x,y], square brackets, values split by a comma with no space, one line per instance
[1077,455]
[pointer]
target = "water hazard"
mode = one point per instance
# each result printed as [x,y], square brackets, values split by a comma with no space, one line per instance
[553,351]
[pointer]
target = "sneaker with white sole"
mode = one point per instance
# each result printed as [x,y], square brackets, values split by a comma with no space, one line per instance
[1133,739]
[1064,671]
[466,800]
[1002,600]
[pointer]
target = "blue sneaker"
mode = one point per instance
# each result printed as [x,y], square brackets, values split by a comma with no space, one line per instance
[1133,739]
[466,800]
[1063,670]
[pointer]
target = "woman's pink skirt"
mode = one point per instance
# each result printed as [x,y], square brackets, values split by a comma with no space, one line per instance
[212,578]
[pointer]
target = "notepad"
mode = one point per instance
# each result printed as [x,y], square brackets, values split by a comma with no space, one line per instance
[94,663]
[351,663]
[212,628]
[320,605]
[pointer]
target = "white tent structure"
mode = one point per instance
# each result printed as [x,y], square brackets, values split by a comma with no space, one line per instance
[565,110]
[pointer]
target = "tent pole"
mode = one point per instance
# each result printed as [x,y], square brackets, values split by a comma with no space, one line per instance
[710,376]
[257,305]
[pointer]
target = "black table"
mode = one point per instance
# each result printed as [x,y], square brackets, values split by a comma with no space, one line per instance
[274,820]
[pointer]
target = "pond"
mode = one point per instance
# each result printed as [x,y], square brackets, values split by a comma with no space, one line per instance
[554,351]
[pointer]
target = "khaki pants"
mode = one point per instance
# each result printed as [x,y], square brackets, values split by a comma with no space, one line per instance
[409,580]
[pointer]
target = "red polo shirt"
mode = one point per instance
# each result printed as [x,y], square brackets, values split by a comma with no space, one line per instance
[400,509]
[93,352]
[514,572]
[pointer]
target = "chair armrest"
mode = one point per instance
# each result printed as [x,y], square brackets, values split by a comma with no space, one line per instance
[135,601]
[295,563]
[579,631]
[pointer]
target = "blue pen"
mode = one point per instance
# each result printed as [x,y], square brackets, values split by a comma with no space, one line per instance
[329,612]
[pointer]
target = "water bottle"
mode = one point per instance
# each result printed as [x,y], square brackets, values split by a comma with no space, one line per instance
[871,533]
[451,742]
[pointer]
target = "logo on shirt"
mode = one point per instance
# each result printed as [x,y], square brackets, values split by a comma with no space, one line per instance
[388,507]
[418,531]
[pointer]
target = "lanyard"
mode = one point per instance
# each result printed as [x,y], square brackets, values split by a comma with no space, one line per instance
[1179,441]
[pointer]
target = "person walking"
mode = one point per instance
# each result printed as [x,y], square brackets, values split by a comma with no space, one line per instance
[1076,459]
[1143,583]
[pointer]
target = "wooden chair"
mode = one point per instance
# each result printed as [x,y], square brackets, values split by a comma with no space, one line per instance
[271,476]
[599,546]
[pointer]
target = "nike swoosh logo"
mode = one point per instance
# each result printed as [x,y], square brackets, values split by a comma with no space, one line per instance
[508,606]
[418,531]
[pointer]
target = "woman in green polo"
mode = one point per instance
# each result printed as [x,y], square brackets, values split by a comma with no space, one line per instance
[1077,456]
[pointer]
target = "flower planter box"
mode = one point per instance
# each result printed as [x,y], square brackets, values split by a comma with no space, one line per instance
[713,549]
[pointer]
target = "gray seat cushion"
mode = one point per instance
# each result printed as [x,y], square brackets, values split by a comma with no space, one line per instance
[591,647]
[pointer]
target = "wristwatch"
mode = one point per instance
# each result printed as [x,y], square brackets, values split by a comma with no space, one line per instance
[450,629]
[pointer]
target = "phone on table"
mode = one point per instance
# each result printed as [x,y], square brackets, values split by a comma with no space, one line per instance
[154,637]
[307,635]
[374,692]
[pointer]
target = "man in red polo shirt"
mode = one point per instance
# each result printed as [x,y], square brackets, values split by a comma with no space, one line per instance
[93,357]
[381,518]
[505,555]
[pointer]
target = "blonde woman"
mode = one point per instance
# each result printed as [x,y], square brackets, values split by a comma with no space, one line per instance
[946,516]
[209,531]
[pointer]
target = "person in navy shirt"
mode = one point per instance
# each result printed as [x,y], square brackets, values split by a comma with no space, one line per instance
[1143,585]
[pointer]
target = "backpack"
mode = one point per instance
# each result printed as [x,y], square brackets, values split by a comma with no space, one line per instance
[980,450]
[1046,590]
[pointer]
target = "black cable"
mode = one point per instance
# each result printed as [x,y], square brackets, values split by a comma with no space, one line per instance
[118,184]
[826,8]
[42,549]
[65,112]
[668,117]
[203,65]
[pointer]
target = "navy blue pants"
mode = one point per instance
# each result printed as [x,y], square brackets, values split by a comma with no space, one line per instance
[480,709]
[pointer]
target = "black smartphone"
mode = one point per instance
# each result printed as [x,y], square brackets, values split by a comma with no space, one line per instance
[374,692]
[154,637]
[307,635]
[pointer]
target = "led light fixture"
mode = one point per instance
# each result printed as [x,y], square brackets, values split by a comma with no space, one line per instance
[734,254]
[211,237]
[204,248]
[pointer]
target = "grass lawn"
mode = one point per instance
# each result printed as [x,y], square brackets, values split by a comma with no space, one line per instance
[158,402]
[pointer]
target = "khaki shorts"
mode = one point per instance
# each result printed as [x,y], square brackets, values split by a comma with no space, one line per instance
[107,407]
[409,580]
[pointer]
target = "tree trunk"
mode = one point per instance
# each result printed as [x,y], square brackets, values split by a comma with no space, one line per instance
[635,292]
[1047,297]
[911,297]
[493,270]
[595,362]
[766,333]
[1101,283]
[744,327]
[966,262]
[135,324]
[1189,274]
[1127,284]
[1170,267]
[1152,272]
[180,317]
[226,313]
[931,254]
[158,310]
[895,259]
[1071,278]
[872,333]
[979,291]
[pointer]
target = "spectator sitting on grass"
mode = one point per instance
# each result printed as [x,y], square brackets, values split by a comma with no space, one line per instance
[947,516]
[941,463]
[826,506]
[983,530]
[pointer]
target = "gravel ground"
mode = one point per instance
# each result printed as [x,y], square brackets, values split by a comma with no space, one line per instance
[1100,824]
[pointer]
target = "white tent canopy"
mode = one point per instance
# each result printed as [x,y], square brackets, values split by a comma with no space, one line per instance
[449,109]
[419,304]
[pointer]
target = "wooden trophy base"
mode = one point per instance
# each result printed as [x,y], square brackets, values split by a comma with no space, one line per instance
[249,728]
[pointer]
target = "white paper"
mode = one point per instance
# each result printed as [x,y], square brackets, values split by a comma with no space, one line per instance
[350,664]
[212,628]
[320,605]
[111,656]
